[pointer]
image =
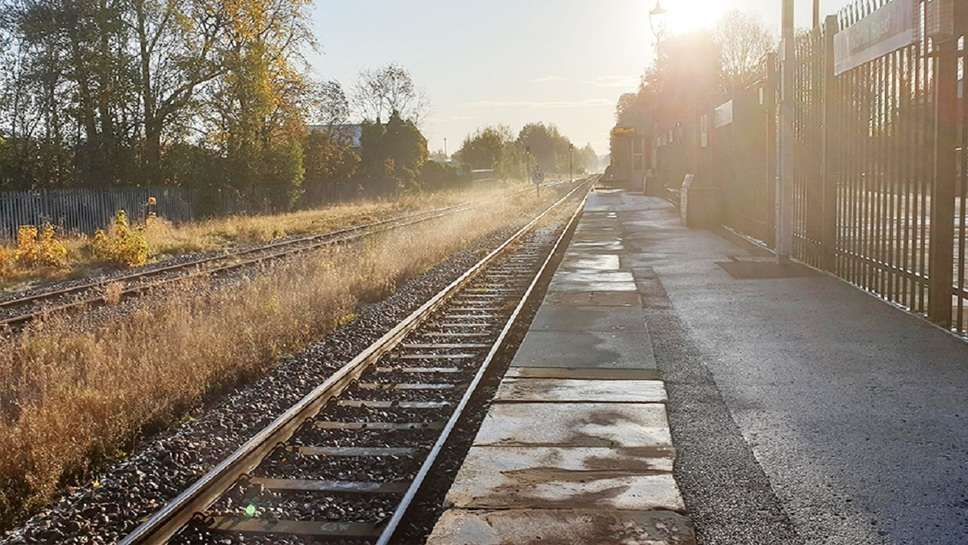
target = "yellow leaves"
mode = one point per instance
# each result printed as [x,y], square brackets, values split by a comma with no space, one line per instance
[40,248]
[121,245]
[7,267]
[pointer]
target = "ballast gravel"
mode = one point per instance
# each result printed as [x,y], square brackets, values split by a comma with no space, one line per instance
[116,500]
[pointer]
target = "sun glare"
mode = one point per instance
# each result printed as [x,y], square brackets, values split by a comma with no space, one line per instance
[690,15]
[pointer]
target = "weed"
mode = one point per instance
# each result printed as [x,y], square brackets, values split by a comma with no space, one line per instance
[121,245]
[113,293]
[40,248]
[7,262]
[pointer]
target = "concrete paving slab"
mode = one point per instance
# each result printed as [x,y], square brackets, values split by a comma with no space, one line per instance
[593,277]
[583,374]
[560,527]
[570,478]
[602,349]
[614,425]
[604,246]
[565,311]
[564,285]
[585,262]
[578,298]
[578,390]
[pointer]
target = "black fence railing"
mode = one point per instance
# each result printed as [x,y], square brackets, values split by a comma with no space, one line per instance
[881,168]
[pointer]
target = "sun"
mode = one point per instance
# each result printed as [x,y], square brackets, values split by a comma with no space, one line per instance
[692,15]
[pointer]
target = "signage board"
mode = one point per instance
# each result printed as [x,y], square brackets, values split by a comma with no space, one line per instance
[723,115]
[886,29]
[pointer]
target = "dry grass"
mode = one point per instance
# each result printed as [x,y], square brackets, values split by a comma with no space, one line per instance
[165,239]
[73,394]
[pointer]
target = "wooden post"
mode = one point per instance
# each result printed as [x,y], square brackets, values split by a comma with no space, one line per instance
[829,143]
[941,267]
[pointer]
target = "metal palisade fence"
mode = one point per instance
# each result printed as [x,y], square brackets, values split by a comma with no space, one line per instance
[86,210]
[881,171]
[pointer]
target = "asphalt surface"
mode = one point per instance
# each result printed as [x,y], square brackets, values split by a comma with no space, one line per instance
[804,410]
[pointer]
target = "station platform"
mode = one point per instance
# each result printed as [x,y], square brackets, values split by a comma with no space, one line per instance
[576,447]
[789,406]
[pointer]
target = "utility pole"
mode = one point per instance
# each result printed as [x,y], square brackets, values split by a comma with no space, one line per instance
[784,186]
[445,146]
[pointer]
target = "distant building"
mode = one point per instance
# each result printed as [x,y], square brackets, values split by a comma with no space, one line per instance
[351,134]
[631,156]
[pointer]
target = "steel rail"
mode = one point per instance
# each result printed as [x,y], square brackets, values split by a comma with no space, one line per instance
[401,510]
[203,260]
[295,246]
[171,518]
[329,239]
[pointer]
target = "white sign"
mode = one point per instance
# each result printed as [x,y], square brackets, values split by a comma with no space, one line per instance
[723,115]
[887,29]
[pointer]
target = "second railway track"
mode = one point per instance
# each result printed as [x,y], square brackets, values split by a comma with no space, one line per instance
[19,311]
[344,464]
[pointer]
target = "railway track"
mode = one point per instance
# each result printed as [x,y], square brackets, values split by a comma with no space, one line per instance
[16,313]
[345,462]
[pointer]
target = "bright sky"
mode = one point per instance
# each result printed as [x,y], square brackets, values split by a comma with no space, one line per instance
[511,61]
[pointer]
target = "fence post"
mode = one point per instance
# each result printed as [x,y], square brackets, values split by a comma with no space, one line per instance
[941,267]
[770,93]
[828,149]
[785,181]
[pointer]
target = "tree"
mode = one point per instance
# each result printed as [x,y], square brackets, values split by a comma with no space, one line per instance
[393,154]
[330,166]
[484,148]
[586,160]
[406,146]
[177,52]
[329,105]
[389,89]
[550,150]
[262,100]
[743,43]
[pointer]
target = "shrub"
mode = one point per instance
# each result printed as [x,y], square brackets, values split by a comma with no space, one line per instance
[40,248]
[121,244]
[7,257]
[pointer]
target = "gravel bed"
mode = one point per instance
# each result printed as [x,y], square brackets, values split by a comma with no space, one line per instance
[360,394]
[311,436]
[371,414]
[164,464]
[423,378]
[306,506]
[288,465]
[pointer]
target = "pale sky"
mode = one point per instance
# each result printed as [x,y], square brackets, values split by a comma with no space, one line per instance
[514,61]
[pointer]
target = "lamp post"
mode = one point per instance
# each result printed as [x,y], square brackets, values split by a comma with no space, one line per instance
[657,18]
[657,22]
[571,162]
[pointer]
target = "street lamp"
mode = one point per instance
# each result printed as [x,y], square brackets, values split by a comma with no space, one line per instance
[571,162]
[657,21]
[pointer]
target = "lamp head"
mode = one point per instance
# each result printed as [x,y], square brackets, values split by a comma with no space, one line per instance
[657,20]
